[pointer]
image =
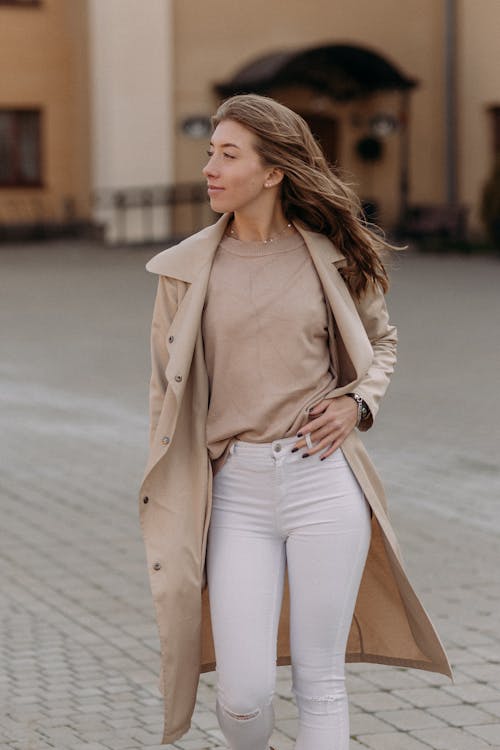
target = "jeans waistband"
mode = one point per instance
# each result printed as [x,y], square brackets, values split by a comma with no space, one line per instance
[275,447]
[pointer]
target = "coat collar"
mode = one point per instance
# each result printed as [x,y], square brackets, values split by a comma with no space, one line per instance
[186,259]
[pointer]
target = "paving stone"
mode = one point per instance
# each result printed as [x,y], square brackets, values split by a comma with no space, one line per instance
[78,643]
[378,701]
[473,692]
[284,709]
[491,707]
[488,732]
[357,684]
[425,697]
[392,678]
[447,738]
[391,741]
[407,719]
[288,727]
[484,672]
[461,716]
[460,656]
[200,744]
[367,723]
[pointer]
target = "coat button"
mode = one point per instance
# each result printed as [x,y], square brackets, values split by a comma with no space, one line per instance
[165,440]
[178,378]
[170,338]
[145,499]
[157,566]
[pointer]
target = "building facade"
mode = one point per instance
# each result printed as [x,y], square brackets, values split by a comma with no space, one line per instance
[105,105]
[44,111]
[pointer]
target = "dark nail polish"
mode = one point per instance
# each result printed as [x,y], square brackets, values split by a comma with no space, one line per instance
[322,458]
[305,455]
[294,449]
[299,434]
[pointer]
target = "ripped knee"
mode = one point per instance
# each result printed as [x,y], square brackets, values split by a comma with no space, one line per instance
[323,698]
[240,717]
[322,704]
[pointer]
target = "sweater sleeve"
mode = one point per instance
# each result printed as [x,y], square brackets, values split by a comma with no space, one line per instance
[372,310]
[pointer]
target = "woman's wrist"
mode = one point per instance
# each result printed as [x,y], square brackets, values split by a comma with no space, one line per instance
[363,409]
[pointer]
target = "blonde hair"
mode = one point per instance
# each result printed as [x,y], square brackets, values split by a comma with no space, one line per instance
[311,190]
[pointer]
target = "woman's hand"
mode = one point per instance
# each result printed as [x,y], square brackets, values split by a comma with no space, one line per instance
[335,419]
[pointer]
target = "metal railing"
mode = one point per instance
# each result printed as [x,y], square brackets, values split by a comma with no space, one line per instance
[27,218]
[141,215]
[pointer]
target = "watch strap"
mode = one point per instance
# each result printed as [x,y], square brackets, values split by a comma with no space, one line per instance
[363,410]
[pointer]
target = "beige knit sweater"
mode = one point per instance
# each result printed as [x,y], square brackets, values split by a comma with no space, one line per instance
[265,335]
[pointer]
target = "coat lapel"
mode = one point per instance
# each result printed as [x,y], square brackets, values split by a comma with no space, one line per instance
[189,261]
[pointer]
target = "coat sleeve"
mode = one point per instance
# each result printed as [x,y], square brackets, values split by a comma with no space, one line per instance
[372,310]
[165,307]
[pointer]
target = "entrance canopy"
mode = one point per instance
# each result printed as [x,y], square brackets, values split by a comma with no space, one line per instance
[341,71]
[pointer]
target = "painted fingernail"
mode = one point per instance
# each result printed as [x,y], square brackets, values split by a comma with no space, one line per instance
[305,455]
[322,458]
[294,449]
[299,434]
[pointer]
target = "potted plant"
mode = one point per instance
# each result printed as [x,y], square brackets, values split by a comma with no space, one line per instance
[490,204]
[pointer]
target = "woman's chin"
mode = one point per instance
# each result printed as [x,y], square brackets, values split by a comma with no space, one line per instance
[220,206]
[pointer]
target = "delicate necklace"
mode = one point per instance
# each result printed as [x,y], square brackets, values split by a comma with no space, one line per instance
[269,239]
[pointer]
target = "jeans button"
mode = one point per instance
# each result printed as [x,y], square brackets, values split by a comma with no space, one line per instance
[277,447]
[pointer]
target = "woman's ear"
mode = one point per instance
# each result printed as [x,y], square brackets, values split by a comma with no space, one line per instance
[274,177]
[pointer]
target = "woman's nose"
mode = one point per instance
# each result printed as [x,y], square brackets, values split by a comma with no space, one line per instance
[208,170]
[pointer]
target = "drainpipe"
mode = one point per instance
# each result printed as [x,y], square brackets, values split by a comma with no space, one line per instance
[450,99]
[404,157]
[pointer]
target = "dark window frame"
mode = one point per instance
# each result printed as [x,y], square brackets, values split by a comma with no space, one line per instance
[494,111]
[17,183]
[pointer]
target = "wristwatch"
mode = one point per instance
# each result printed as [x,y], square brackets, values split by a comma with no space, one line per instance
[363,410]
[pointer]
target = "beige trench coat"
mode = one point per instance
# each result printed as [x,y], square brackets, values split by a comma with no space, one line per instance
[389,625]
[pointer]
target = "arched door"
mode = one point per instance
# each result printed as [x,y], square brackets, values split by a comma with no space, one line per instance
[326,130]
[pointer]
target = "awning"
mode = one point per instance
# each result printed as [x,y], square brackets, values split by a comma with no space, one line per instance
[341,71]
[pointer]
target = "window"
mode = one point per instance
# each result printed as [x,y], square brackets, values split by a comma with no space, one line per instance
[20,2]
[19,147]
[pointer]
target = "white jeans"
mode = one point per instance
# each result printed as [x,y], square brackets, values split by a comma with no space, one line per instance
[271,505]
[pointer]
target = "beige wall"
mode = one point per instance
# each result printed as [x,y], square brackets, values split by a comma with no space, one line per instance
[213,40]
[479,42]
[43,58]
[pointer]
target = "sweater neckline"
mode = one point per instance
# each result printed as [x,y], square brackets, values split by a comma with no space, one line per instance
[258,249]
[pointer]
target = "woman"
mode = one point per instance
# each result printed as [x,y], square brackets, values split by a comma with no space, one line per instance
[270,344]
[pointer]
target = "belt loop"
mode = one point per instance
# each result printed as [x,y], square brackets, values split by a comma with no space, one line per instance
[231,449]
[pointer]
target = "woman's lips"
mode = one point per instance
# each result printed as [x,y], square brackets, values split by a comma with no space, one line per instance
[212,190]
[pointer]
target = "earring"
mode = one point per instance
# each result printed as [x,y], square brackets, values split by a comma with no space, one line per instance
[267,184]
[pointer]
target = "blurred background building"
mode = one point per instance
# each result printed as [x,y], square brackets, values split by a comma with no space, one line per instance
[105,106]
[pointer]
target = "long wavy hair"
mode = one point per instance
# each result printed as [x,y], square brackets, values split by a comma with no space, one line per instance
[312,190]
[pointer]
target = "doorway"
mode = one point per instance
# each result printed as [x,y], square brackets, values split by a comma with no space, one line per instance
[326,130]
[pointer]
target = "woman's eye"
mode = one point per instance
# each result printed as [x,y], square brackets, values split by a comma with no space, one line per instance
[228,156]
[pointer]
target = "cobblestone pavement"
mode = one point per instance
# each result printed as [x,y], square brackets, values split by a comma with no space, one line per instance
[78,642]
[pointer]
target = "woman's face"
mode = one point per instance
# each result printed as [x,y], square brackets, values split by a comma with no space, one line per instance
[234,171]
